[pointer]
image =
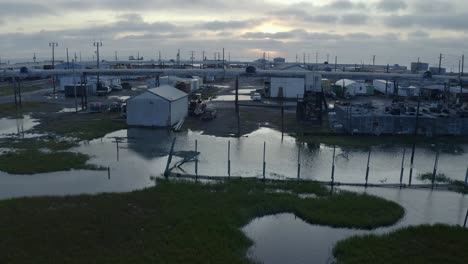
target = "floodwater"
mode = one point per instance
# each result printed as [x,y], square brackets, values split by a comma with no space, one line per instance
[284,238]
[17,126]
[145,153]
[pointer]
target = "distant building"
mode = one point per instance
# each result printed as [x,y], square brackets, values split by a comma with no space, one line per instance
[157,107]
[279,60]
[417,67]
[352,88]
[435,70]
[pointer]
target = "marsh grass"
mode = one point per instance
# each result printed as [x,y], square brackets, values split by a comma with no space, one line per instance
[173,222]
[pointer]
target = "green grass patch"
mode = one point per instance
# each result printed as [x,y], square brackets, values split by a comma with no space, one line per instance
[50,143]
[34,161]
[445,144]
[439,178]
[24,89]
[9,109]
[81,126]
[457,186]
[173,222]
[422,244]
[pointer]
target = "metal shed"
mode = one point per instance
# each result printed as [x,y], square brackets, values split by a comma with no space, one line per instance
[157,107]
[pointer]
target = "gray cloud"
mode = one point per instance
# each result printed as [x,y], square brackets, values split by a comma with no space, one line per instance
[418,34]
[345,5]
[224,25]
[354,19]
[20,9]
[325,19]
[449,21]
[433,6]
[391,5]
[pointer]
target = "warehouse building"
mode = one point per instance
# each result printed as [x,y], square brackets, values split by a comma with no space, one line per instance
[157,107]
[351,88]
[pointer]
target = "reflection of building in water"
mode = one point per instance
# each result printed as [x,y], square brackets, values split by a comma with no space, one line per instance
[149,143]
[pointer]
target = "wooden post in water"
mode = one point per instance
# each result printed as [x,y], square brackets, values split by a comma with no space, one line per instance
[19,94]
[333,167]
[282,121]
[16,93]
[299,162]
[169,159]
[402,167]
[466,219]
[108,173]
[434,172]
[238,124]
[412,164]
[466,177]
[229,158]
[117,144]
[264,159]
[196,160]
[237,95]
[368,167]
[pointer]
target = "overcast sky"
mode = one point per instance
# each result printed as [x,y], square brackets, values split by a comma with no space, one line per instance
[396,31]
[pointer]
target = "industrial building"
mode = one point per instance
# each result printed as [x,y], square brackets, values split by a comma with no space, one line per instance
[187,85]
[352,88]
[279,60]
[417,67]
[157,107]
[293,87]
[388,88]
[437,70]
[107,83]
[286,87]
[399,119]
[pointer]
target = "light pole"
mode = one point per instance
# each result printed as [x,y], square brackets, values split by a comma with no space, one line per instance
[97,45]
[53,45]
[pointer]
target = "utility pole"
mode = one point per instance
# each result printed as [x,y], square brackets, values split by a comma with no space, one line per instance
[202,65]
[192,57]
[116,59]
[97,45]
[68,60]
[417,69]
[53,45]
[373,60]
[34,57]
[463,65]
[440,64]
[336,62]
[304,59]
[76,57]
[178,57]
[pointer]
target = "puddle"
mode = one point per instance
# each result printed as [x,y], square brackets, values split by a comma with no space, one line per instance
[16,127]
[232,98]
[284,238]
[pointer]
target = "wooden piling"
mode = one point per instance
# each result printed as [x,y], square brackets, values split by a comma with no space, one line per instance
[466,218]
[412,164]
[333,167]
[196,160]
[434,172]
[169,159]
[299,162]
[117,144]
[368,167]
[466,177]
[229,158]
[402,167]
[108,173]
[282,121]
[264,159]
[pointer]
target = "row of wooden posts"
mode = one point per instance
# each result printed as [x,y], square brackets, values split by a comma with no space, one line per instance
[367,174]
